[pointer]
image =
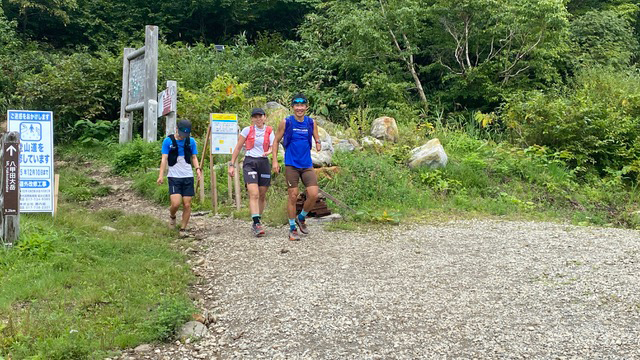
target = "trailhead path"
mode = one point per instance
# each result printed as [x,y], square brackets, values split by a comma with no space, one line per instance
[463,289]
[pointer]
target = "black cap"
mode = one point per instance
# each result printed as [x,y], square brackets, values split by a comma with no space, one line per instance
[299,99]
[257,111]
[184,128]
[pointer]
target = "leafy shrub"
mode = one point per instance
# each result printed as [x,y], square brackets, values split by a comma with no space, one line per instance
[605,38]
[596,121]
[169,316]
[223,94]
[136,155]
[80,86]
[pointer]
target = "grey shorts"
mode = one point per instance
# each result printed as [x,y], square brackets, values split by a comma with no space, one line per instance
[257,171]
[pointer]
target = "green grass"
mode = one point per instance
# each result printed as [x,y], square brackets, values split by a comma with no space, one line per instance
[71,290]
[482,179]
[76,186]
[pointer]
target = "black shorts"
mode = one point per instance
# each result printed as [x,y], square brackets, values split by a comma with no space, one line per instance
[181,186]
[256,171]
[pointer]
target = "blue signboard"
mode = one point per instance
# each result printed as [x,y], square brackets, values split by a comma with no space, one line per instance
[36,158]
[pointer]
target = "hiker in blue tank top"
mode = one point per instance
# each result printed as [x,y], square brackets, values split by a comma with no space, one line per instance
[298,132]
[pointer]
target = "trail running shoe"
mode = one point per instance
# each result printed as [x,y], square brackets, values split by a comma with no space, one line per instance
[303,226]
[258,230]
[172,221]
[293,235]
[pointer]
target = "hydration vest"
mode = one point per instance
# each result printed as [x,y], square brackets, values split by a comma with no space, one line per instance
[173,152]
[251,138]
[288,130]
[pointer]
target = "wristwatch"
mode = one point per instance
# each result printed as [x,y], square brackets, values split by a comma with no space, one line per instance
[231,164]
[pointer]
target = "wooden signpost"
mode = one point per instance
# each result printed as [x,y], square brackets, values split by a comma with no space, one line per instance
[9,182]
[140,87]
[168,106]
[223,134]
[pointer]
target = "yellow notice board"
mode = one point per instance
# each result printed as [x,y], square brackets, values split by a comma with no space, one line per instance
[224,133]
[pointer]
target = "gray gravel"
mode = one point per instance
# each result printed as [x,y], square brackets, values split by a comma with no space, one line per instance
[465,289]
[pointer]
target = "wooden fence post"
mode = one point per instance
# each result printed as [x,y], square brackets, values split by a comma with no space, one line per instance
[151,84]
[10,187]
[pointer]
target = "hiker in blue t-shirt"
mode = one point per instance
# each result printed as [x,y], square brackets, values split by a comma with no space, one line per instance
[180,177]
[298,132]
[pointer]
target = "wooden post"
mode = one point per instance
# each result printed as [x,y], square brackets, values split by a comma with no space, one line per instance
[126,118]
[151,83]
[230,187]
[170,121]
[214,185]
[55,193]
[204,151]
[9,187]
[236,180]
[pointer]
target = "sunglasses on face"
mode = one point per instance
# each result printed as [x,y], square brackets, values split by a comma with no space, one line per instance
[299,101]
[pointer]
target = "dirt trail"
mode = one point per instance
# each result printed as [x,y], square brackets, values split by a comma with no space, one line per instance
[464,289]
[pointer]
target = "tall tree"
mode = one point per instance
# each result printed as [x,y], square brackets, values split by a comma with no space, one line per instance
[363,36]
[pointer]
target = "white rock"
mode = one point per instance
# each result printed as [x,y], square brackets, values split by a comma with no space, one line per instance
[192,329]
[385,128]
[368,141]
[325,155]
[344,145]
[274,105]
[431,154]
[142,348]
[108,228]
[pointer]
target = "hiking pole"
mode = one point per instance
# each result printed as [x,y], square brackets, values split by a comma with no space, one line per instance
[338,202]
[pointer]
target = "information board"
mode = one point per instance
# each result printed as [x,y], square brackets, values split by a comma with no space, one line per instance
[224,133]
[136,80]
[35,159]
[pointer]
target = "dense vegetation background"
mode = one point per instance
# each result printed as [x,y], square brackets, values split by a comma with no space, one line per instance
[560,74]
[537,103]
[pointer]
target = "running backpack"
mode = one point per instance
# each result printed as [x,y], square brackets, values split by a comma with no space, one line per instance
[173,152]
[251,138]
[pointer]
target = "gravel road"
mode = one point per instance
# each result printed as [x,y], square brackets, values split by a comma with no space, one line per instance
[464,289]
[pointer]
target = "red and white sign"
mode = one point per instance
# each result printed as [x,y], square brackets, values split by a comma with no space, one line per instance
[167,101]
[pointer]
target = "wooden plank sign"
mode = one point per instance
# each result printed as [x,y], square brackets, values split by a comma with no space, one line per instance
[11,174]
[9,182]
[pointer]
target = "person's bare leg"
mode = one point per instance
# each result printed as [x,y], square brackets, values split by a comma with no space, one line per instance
[312,196]
[254,198]
[186,211]
[174,205]
[291,204]
[263,198]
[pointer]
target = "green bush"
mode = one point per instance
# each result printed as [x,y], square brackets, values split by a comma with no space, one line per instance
[77,87]
[169,316]
[595,122]
[136,155]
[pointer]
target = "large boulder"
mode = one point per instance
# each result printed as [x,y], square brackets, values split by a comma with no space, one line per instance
[323,157]
[344,146]
[274,105]
[431,154]
[385,128]
[275,115]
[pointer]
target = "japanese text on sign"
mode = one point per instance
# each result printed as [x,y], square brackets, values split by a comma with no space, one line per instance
[224,133]
[35,158]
